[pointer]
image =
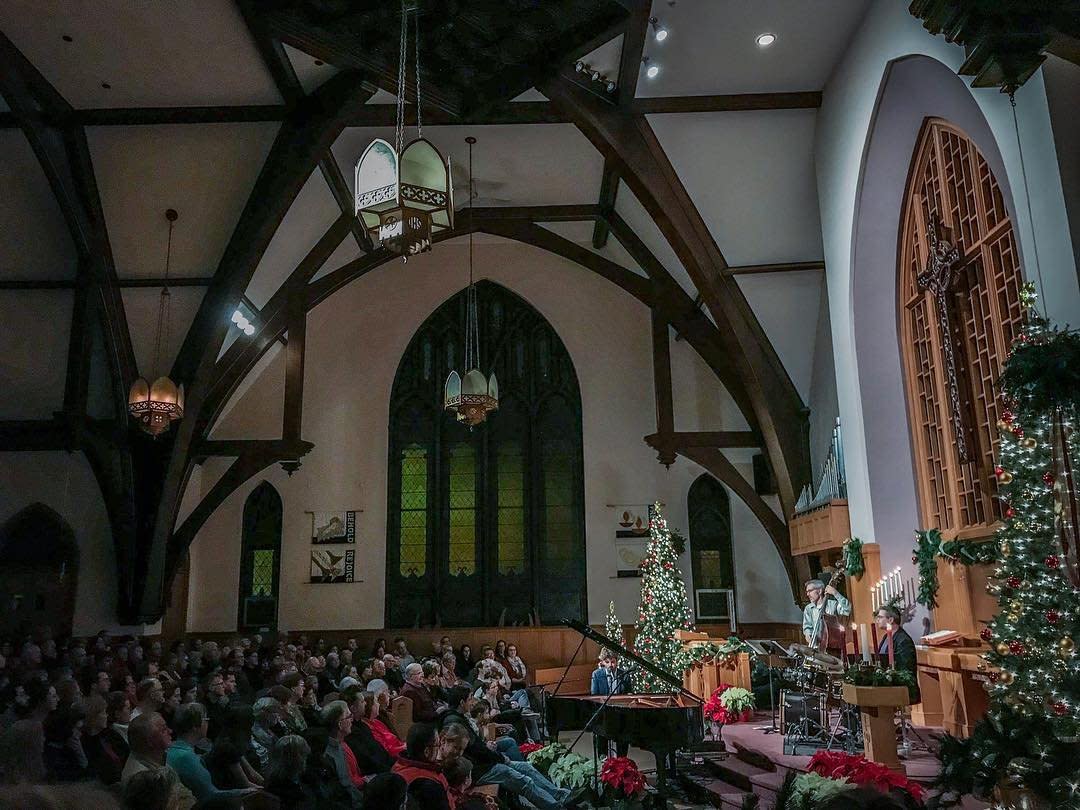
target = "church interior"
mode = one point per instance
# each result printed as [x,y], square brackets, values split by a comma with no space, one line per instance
[539,403]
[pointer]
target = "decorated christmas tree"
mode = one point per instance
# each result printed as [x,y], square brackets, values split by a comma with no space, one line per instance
[1029,740]
[612,625]
[663,608]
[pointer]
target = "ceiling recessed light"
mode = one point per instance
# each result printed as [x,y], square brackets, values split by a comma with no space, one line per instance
[660,32]
[652,71]
[765,40]
[67,38]
[106,86]
[319,63]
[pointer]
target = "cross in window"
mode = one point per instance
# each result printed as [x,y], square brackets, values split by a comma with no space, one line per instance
[938,277]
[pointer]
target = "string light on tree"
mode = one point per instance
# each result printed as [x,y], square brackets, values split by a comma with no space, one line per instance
[663,608]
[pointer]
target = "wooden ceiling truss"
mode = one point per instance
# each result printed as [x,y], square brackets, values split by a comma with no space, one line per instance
[148,478]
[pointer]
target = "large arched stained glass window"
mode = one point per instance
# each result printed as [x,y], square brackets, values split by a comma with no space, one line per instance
[952,403]
[260,559]
[486,525]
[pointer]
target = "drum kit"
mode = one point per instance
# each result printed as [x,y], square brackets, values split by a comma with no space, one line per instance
[817,687]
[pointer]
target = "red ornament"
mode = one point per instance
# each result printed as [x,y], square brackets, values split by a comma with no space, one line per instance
[1053,562]
[1048,478]
[1052,616]
[999,471]
[1018,432]
[1013,582]
[986,634]
[1010,512]
[1016,647]
[1060,709]
[1007,417]
[993,676]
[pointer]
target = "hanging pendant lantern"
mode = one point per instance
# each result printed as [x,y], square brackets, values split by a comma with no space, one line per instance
[404,194]
[472,397]
[156,406]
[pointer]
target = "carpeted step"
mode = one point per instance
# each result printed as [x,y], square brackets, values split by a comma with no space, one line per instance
[765,786]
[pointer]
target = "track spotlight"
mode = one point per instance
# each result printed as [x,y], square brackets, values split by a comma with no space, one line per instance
[660,32]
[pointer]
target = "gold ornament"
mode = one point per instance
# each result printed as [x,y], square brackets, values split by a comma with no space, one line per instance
[1006,548]
[1066,646]
[1015,606]
[1028,443]
[1005,477]
[1003,426]
[1007,678]
[1012,617]
[1002,648]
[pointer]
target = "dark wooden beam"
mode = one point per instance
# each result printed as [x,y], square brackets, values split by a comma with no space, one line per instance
[732,102]
[661,360]
[34,434]
[252,457]
[156,116]
[718,465]
[706,438]
[301,143]
[633,48]
[609,187]
[285,449]
[782,267]
[530,213]
[776,407]
[122,283]
[293,415]
[79,342]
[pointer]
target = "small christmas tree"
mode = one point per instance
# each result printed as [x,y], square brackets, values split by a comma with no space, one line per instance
[612,626]
[663,608]
[1028,739]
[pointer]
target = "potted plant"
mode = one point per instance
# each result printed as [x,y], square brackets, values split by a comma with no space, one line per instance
[571,771]
[860,771]
[621,783]
[739,703]
[543,758]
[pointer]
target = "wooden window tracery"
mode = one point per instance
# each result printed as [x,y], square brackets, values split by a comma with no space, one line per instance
[950,183]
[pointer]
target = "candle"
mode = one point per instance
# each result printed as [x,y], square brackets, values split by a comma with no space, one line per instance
[873,629]
[855,640]
[864,641]
[843,641]
[892,659]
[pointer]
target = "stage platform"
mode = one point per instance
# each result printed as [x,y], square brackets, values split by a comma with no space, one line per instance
[757,765]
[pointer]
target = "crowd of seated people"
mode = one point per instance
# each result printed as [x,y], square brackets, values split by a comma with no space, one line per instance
[253,724]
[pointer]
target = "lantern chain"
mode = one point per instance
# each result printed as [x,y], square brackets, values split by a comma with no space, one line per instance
[416,32]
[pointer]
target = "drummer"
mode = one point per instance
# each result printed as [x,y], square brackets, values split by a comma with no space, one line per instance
[823,600]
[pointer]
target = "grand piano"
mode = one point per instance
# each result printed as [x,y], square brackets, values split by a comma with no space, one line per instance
[660,723]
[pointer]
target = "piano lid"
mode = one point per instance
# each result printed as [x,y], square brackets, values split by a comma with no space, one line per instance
[604,641]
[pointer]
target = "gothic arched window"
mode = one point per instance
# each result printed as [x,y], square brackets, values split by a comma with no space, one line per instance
[712,561]
[260,559]
[486,525]
[957,321]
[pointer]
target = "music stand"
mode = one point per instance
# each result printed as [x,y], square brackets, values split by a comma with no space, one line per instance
[770,649]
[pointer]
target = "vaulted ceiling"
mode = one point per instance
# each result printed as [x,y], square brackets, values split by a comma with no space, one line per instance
[185,105]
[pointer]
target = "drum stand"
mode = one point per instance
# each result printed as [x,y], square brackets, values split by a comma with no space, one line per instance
[851,740]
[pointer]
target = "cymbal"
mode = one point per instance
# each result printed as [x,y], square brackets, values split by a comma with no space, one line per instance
[804,649]
[819,659]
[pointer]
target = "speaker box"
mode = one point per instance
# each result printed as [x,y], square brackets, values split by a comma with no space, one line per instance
[764,481]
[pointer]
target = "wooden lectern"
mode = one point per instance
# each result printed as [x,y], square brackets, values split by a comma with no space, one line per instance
[877,706]
[702,679]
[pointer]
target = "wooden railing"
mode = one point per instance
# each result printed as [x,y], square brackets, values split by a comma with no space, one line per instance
[822,529]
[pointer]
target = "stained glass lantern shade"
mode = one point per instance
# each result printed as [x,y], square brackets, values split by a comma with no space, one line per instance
[404,200]
[156,406]
[473,398]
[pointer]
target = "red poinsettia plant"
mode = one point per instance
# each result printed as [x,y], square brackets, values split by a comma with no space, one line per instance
[621,775]
[528,748]
[860,771]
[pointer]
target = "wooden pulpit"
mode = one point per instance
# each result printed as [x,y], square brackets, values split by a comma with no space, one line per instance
[702,679]
[877,706]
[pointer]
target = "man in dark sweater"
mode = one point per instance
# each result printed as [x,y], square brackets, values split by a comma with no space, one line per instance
[423,704]
[887,620]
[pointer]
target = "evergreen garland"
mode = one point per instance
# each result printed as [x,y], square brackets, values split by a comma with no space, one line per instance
[967,553]
[853,558]
[924,555]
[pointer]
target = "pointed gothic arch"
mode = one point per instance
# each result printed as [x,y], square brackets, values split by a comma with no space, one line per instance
[953,427]
[39,572]
[712,558]
[486,526]
[260,559]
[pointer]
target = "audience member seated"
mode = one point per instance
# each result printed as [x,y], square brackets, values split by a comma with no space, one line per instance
[401,650]
[149,697]
[65,760]
[288,694]
[191,725]
[459,777]
[21,749]
[492,768]
[420,769]
[295,785]
[460,710]
[149,739]
[371,757]
[106,751]
[337,719]
[516,669]
[230,758]
[268,729]
[152,790]
[382,733]
[423,704]
[118,711]
[465,663]
[215,701]
[395,674]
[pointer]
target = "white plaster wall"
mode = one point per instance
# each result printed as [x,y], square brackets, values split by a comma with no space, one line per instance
[66,484]
[844,125]
[354,342]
